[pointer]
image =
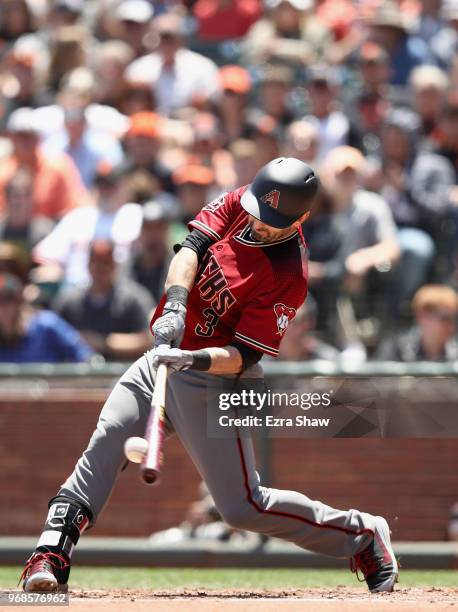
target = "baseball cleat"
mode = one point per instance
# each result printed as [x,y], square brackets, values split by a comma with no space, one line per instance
[38,574]
[377,562]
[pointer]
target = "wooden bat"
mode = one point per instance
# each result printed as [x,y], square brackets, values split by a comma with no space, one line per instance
[151,465]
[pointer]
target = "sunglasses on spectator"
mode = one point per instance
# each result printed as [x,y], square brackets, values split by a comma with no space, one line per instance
[320,84]
[104,260]
[443,316]
[131,23]
[168,37]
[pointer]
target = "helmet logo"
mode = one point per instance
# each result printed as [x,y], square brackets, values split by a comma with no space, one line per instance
[272,198]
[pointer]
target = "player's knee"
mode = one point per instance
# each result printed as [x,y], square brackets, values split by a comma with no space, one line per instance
[242,516]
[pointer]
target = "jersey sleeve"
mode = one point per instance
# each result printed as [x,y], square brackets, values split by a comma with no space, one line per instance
[265,320]
[216,217]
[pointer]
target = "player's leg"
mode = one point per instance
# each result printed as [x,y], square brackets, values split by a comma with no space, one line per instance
[228,468]
[85,492]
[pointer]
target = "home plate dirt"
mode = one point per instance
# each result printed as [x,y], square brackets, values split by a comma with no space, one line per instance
[274,600]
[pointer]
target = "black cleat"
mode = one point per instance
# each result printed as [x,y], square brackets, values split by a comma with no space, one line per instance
[377,562]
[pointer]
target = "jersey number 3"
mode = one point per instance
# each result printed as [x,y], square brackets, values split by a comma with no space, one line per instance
[208,327]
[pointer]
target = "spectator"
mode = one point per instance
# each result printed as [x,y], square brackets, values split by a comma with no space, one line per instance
[432,338]
[429,21]
[371,233]
[266,134]
[326,237]
[235,84]
[68,51]
[447,149]
[218,20]
[274,97]
[193,189]
[453,69]
[111,60]
[140,186]
[428,87]
[302,141]
[20,85]
[448,141]
[289,33]
[367,108]
[300,342]
[80,83]
[84,144]
[331,123]
[13,260]
[243,153]
[112,315]
[16,19]
[134,17]
[206,148]
[206,137]
[374,69]
[34,337]
[17,225]
[417,185]
[65,12]
[57,187]
[143,144]
[149,261]
[178,76]
[193,183]
[389,30]
[64,253]
[137,98]
[444,45]
[338,16]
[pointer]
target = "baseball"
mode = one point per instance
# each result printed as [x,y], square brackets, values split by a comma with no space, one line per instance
[135,449]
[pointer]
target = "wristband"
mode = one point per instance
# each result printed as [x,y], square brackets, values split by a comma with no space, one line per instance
[177,293]
[201,360]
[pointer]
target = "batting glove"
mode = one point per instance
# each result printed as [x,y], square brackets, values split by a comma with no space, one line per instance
[174,358]
[169,328]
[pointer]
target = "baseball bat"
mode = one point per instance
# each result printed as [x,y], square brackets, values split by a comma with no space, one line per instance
[151,465]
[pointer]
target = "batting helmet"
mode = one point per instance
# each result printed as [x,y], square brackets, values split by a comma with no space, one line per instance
[281,192]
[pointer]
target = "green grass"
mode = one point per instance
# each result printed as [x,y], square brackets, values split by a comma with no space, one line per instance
[155,578]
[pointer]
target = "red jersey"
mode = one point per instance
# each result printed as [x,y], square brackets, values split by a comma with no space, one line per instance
[244,290]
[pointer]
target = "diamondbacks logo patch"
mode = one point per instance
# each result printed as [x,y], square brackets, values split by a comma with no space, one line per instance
[272,198]
[284,315]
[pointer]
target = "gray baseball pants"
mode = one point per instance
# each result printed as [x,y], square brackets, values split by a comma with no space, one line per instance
[226,465]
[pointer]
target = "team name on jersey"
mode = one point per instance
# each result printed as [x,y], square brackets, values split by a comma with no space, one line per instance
[216,203]
[212,287]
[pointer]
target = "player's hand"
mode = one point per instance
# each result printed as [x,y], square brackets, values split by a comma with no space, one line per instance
[169,328]
[174,358]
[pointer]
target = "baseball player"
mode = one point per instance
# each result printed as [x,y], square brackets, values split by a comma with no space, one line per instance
[232,287]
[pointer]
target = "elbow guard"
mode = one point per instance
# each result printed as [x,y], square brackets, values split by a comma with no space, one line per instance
[197,241]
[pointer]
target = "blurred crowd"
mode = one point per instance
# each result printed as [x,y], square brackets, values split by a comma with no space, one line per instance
[120,119]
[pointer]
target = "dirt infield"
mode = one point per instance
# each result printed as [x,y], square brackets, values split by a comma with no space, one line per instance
[318,600]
